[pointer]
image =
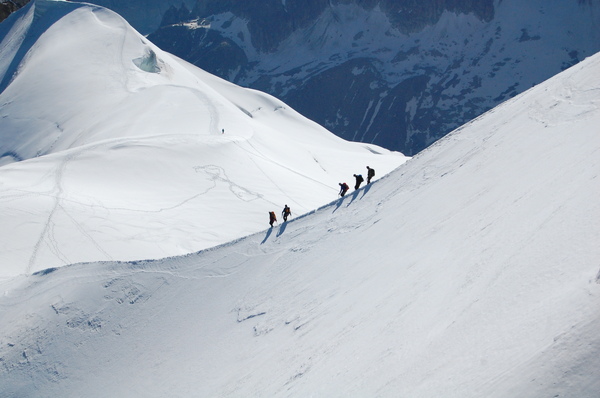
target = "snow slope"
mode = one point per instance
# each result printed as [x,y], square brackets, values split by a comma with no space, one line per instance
[111,149]
[470,271]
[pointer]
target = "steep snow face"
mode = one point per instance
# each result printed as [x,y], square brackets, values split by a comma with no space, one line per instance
[111,149]
[471,271]
[384,85]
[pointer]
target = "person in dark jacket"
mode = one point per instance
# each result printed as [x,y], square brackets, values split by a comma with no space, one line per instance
[343,189]
[272,218]
[359,180]
[286,213]
[370,174]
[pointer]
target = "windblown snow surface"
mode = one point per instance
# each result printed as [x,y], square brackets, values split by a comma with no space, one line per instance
[472,270]
[111,149]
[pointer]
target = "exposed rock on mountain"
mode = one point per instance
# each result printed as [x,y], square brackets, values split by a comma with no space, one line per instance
[144,15]
[10,6]
[396,73]
[271,21]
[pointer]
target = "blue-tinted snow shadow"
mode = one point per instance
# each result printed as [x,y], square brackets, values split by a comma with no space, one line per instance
[282,229]
[10,157]
[269,231]
[353,196]
[365,190]
[339,204]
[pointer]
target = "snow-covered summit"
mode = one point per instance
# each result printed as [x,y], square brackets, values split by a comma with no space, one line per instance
[111,149]
[470,271]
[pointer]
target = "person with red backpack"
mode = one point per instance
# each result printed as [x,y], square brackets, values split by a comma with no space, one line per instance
[343,189]
[272,218]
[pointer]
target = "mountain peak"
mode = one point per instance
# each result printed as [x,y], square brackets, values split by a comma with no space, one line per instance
[102,131]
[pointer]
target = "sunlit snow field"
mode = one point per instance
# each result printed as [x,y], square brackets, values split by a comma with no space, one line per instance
[471,270]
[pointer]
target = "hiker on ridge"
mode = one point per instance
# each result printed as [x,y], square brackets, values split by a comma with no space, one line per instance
[359,180]
[286,213]
[370,174]
[343,189]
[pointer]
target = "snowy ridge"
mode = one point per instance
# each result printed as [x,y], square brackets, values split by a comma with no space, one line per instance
[111,149]
[470,271]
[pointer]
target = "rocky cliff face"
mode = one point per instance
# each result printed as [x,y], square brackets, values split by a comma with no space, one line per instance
[400,74]
[8,7]
[143,15]
[397,73]
[271,21]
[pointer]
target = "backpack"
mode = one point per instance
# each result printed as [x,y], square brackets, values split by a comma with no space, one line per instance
[287,210]
[359,177]
[272,215]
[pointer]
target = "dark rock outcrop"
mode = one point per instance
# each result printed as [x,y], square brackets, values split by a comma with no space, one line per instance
[398,73]
[271,21]
[10,6]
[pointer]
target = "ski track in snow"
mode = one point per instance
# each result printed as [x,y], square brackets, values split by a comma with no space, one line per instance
[279,164]
[218,174]
[47,237]
[47,234]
